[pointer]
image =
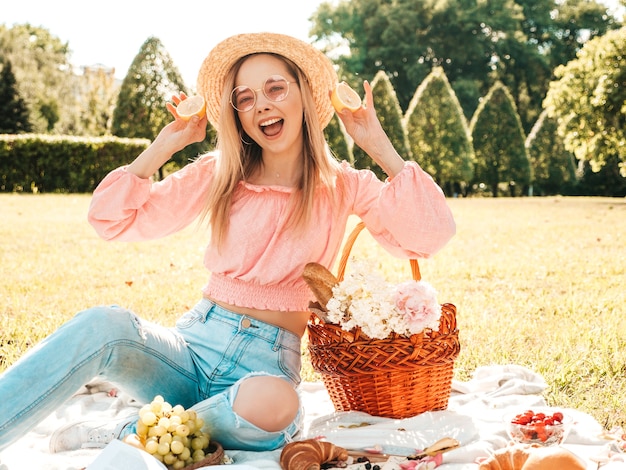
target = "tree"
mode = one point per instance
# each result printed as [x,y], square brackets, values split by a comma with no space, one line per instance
[553,166]
[390,116]
[587,99]
[151,80]
[140,112]
[13,110]
[98,91]
[438,133]
[498,138]
[477,43]
[337,141]
[44,76]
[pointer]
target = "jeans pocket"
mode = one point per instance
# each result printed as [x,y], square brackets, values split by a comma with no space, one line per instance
[290,362]
[188,319]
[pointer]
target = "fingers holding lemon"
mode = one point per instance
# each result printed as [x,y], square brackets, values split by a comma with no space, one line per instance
[191,106]
[344,97]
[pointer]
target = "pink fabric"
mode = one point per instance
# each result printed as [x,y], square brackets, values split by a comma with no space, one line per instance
[260,265]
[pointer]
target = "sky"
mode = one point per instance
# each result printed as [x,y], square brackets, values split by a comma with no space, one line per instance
[111,32]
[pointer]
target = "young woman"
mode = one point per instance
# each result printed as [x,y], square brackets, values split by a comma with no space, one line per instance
[275,199]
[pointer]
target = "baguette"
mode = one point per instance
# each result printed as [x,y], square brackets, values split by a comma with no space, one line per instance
[321,282]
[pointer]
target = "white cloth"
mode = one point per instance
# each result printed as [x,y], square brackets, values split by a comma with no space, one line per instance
[474,418]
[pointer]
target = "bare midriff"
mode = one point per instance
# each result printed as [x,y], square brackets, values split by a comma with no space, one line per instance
[294,322]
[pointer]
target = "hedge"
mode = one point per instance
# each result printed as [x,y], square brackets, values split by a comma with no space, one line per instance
[65,164]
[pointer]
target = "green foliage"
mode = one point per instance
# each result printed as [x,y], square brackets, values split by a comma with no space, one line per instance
[98,90]
[43,163]
[477,43]
[336,138]
[553,166]
[390,116]
[588,100]
[13,110]
[150,82]
[498,139]
[44,76]
[608,181]
[438,131]
[140,112]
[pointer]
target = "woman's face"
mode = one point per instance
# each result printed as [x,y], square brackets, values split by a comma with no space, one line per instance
[275,125]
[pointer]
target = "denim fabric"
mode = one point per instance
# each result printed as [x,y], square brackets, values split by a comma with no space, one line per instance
[198,364]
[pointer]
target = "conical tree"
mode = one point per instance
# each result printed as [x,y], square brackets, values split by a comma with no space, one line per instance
[337,141]
[13,110]
[498,138]
[438,132]
[553,166]
[150,82]
[390,115]
[140,111]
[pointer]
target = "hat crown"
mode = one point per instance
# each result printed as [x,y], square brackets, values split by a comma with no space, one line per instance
[316,67]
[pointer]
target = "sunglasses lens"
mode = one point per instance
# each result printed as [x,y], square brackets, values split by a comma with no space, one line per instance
[276,88]
[242,98]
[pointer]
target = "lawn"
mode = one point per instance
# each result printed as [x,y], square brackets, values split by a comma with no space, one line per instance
[539,282]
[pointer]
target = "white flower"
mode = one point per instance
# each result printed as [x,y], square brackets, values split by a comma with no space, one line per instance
[364,299]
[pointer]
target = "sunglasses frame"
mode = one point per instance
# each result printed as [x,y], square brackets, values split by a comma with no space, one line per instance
[276,78]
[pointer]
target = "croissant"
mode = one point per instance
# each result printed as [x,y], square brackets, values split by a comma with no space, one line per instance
[553,458]
[509,458]
[310,454]
[518,457]
[321,281]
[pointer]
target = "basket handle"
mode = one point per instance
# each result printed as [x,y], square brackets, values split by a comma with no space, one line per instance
[415,269]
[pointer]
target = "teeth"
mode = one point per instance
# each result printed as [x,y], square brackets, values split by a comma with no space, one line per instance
[269,123]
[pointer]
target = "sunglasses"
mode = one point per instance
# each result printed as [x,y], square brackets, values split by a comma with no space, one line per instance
[275,88]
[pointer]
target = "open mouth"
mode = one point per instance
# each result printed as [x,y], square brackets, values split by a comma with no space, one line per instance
[272,127]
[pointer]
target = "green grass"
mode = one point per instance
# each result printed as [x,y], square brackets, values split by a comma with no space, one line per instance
[538,282]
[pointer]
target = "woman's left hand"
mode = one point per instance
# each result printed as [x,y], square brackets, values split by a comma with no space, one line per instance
[367,132]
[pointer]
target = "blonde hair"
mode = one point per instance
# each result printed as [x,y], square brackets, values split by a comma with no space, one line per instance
[238,160]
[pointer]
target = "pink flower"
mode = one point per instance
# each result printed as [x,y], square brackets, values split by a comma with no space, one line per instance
[417,303]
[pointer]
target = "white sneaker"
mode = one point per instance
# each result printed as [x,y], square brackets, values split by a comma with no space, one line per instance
[95,434]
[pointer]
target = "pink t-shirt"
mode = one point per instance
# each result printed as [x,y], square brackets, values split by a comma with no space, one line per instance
[260,264]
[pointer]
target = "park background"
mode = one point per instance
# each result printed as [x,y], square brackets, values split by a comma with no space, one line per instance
[496,99]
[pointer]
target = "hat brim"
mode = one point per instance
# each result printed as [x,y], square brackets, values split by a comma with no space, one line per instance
[314,64]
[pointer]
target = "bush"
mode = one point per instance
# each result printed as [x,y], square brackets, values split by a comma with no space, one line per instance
[63,164]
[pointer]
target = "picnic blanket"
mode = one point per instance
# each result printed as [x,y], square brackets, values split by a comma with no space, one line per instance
[474,418]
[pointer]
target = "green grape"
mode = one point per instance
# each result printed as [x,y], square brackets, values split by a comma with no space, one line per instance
[169,459]
[151,446]
[177,447]
[197,443]
[163,448]
[165,422]
[182,430]
[157,431]
[197,455]
[149,418]
[172,434]
[185,454]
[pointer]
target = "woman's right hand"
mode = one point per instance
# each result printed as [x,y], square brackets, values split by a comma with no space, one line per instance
[174,137]
[183,132]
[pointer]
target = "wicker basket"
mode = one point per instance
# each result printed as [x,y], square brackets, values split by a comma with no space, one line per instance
[215,455]
[395,377]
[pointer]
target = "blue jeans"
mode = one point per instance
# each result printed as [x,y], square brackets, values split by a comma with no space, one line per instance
[199,364]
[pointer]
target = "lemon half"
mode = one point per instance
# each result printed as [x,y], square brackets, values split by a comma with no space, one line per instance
[344,97]
[192,106]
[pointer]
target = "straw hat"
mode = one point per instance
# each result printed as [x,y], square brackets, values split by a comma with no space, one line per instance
[316,67]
